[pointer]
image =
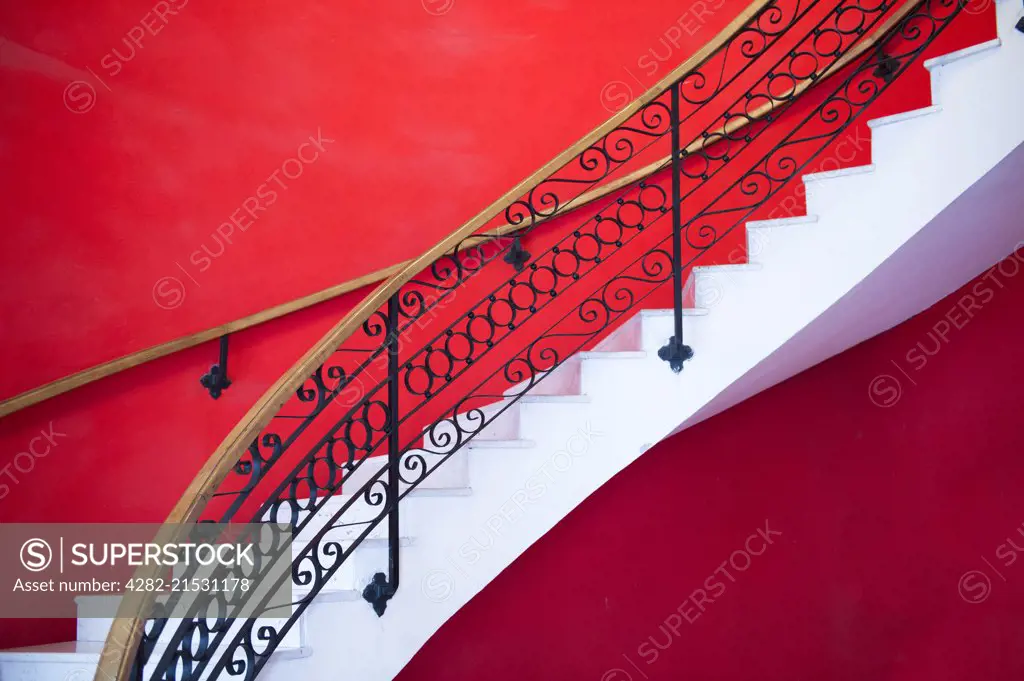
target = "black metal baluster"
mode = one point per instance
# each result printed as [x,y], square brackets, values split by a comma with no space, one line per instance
[674,352]
[382,587]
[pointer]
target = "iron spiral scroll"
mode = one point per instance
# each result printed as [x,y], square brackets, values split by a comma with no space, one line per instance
[381,393]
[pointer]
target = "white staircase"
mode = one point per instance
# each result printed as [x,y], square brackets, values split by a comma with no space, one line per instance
[814,287]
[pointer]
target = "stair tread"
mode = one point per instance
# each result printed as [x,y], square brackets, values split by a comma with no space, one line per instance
[950,57]
[501,444]
[568,399]
[620,354]
[904,116]
[89,650]
[841,172]
[732,267]
[687,312]
[782,222]
[417,492]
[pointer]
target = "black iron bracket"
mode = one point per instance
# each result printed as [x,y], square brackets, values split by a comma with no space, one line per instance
[216,380]
[517,256]
[887,68]
[675,352]
[378,592]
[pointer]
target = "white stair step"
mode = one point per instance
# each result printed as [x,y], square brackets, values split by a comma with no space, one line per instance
[70,661]
[782,222]
[628,337]
[876,123]
[453,474]
[598,355]
[959,55]
[946,68]
[78,660]
[65,652]
[687,312]
[829,191]
[95,629]
[530,398]
[841,173]
[562,380]
[657,329]
[709,281]
[891,134]
[545,418]
[442,493]
[501,444]
[765,241]
[729,267]
[488,423]
[599,368]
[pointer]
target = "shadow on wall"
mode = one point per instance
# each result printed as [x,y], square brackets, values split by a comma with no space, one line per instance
[862,520]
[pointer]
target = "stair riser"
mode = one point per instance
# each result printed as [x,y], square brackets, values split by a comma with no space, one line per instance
[56,670]
[95,629]
[827,193]
[626,338]
[595,371]
[499,426]
[657,329]
[890,139]
[564,380]
[450,476]
[543,421]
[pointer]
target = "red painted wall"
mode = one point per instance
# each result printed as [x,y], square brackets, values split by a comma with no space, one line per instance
[148,148]
[896,531]
[124,449]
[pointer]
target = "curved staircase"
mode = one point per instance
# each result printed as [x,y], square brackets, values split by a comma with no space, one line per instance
[812,288]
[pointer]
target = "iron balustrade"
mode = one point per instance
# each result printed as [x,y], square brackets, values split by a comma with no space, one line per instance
[383,393]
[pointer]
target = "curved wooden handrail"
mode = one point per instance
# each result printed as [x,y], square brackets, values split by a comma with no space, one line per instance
[122,641]
[154,352]
[134,359]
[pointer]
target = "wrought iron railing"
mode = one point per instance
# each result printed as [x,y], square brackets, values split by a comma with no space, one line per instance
[393,380]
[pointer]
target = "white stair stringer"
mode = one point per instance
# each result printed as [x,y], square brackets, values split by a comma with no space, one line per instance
[939,205]
[888,240]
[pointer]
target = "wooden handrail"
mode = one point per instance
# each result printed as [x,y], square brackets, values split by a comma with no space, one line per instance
[122,640]
[134,359]
[126,629]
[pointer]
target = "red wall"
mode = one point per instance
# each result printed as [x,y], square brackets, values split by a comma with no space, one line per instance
[893,508]
[127,447]
[128,216]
